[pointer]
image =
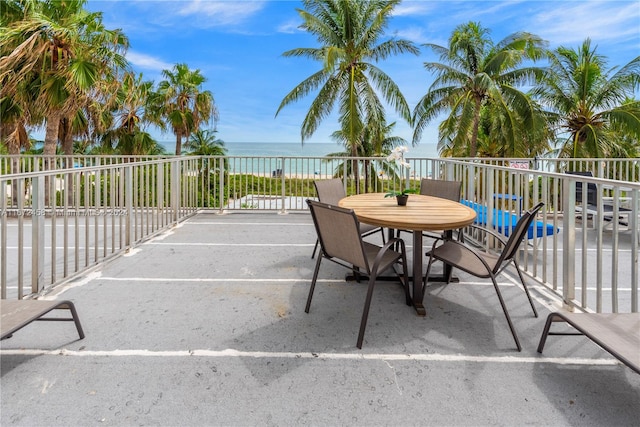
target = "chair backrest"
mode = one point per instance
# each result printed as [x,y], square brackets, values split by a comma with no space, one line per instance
[330,191]
[440,188]
[517,236]
[339,233]
[592,189]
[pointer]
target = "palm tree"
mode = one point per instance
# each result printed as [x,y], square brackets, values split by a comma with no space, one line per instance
[349,33]
[376,141]
[500,136]
[590,103]
[130,114]
[64,51]
[475,73]
[204,143]
[13,126]
[183,104]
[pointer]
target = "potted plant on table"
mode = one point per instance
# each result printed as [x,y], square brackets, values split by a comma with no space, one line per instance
[397,157]
[401,196]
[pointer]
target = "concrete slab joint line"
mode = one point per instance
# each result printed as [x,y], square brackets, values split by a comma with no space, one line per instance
[326,356]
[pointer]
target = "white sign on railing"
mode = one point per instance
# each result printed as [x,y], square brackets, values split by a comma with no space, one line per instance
[519,164]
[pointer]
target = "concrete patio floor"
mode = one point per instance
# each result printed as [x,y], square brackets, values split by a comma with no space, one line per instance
[205,325]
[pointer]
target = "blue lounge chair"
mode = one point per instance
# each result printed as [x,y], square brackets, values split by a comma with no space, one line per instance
[504,222]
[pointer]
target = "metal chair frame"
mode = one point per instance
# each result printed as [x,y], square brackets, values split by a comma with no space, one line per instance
[453,253]
[330,191]
[341,243]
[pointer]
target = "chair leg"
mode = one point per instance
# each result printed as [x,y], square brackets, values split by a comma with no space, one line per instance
[313,283]
[365,312]
[426,277]
[545,332]
[76,319]
[404,279]
[526,289]
[315,249]
[506,313]
[405,269]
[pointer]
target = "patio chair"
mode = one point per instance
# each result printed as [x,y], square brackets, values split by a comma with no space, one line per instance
[330,191]
[450,190]
[617,333]
[485,264]
[341,242]
[593,200]
[16,314]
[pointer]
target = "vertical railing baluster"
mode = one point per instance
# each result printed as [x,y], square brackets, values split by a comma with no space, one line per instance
[37,233]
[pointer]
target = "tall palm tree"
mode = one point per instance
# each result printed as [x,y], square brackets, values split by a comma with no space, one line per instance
[131,111]
[590,103]
[64,51]
[183,104]
[474,73]
[349,33]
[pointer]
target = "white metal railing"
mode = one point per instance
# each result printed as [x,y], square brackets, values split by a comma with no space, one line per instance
[57,223]
[588,253]
[82,215]
[618,169]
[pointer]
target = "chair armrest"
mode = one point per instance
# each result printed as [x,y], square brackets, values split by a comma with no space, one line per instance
[498,236]
[384,249]
[467,249]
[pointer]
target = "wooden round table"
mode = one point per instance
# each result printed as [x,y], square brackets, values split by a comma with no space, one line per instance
[422,213]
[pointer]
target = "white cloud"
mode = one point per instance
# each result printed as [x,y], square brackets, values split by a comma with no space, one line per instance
[413,8]
[147,62]
[596,20]
[413,33]
[289,27]
[221,13]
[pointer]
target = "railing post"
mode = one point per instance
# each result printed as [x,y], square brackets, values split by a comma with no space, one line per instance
[283,210]
[3,237]
[128,204]
[37,233]
[175,189]
[222,184]
[569,241]
[160,194]
[634,223]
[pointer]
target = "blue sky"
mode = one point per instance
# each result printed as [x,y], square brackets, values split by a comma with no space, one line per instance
[238,46]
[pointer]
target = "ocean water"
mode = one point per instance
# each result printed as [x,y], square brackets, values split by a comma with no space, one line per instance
[266,158]
[288,149]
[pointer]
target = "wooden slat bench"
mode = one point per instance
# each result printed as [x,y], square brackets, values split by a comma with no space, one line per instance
[16,314]
[617,333]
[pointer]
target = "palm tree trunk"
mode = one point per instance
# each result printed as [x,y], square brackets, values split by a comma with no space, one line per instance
[13,148]
[354,167]
[51,134]
[473,150]
[49,150]
[178,143]
[366,164]
[67,137]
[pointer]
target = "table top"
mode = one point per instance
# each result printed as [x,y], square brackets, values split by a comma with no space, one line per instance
[421,212]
